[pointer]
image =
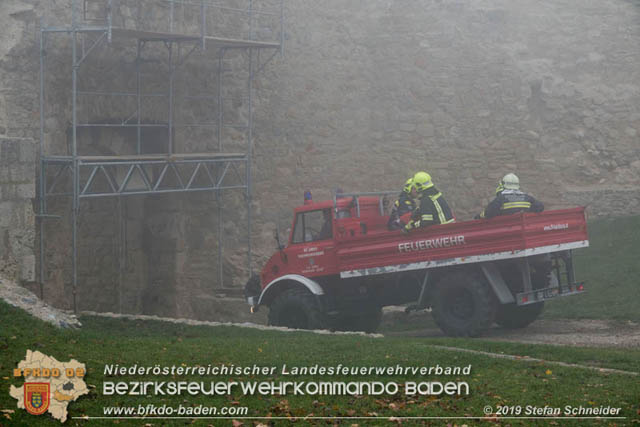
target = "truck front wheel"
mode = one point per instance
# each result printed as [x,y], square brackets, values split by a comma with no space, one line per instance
[297,309]
[463,305]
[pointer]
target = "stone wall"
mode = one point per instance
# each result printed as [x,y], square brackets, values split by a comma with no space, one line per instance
[18,130]
[367,93]
[17,221]
[371,91]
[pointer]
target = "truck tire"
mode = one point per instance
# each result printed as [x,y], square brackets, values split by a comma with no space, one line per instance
[297,309]
[512,316]
[463,305]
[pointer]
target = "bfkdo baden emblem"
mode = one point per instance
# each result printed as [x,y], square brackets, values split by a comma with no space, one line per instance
[36,398]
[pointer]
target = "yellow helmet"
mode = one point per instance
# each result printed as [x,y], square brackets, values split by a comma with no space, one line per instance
[510,182]
[500,187]
[422,181]
[407,185]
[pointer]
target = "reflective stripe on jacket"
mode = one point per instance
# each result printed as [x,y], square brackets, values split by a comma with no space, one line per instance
[512,201]
[433,209]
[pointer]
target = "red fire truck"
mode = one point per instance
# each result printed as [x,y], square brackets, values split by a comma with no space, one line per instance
[342,265]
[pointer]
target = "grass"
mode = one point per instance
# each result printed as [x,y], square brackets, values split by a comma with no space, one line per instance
[611,271]
[627,359]
[492,381]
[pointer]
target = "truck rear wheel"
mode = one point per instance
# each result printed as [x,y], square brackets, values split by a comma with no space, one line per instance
[463,305]
[512,316]
[297,309]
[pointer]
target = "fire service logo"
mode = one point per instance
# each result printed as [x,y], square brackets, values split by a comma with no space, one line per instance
[36,398]
[49,385]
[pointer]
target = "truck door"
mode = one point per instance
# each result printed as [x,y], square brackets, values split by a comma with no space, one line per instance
[312,249]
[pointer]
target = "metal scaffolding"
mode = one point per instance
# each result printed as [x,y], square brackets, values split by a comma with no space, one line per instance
[93,23]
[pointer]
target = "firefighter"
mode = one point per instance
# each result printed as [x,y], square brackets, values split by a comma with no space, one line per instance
[510,199]
[499,189]
[432,207]
[403,207]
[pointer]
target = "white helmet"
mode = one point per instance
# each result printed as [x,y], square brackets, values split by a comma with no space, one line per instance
[510,182]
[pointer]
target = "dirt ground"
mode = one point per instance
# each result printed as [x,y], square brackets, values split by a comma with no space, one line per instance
[585,332]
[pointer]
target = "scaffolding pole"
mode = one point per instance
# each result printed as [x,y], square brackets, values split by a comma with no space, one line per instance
[221,53]
[74,153]
[249,158]
[122,249]
[41,182]
[138,98]
[171,76]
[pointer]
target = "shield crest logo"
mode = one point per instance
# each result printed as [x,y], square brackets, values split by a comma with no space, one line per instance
[36,398]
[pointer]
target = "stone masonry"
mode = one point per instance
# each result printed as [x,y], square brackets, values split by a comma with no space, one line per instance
[17,221]
[367,93]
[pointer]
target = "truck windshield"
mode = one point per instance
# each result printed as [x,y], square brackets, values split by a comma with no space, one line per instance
[312,226]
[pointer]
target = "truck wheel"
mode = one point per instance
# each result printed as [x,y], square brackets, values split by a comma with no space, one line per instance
[298,309]
[463,305]
[512,316]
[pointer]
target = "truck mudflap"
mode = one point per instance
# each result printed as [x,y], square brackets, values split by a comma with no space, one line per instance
[539,295]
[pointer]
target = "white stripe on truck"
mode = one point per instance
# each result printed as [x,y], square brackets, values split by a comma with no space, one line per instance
[520,253]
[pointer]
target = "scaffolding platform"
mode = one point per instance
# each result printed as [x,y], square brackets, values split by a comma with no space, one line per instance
[209,41]
[120,34]
[102,176]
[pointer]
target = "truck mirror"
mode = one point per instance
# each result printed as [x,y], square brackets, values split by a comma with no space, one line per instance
[276,235]
[283,255]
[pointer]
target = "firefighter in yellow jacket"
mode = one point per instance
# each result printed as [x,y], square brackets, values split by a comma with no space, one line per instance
[432,207]
[403,207]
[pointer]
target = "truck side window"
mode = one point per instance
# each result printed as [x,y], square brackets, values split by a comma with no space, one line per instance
[312,226]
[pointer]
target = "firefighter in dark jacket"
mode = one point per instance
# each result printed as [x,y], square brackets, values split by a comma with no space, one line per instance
[403,207]
[509,199]
[432,207]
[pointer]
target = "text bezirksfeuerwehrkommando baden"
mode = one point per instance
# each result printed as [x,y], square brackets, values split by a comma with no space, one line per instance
[222,370]
[333,387]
